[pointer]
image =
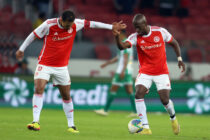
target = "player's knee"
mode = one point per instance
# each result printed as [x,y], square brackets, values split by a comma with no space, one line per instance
[66,96]
[39,89]
[139,94]
[164,101]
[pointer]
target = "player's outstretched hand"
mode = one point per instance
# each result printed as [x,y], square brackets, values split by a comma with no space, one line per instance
[19,55]
[181,65]
[117,27]
[103,65]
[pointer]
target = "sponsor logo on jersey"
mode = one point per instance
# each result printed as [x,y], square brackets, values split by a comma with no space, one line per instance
[151,47]
[56,33]
[156,39]
[61,38]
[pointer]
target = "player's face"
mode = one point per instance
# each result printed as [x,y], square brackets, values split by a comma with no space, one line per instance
[140,28]
[66,24]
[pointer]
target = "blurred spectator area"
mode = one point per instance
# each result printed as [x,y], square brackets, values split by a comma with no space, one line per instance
[7,56]
[192,30]
[14,23]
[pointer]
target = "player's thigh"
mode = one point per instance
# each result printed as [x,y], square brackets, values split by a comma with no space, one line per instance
[61,76]
[65,91]
[39,86]
[162,82]
[128,83]
[41,77]
[129,88]
[114,88]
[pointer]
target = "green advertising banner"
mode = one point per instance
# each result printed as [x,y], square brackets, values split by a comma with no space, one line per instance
[188,97]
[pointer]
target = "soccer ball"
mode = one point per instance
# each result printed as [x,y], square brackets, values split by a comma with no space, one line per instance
[135,126]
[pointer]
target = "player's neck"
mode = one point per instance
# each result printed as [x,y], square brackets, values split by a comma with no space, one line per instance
[147,30]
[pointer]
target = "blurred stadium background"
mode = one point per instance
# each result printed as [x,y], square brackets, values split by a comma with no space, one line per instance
[187,20]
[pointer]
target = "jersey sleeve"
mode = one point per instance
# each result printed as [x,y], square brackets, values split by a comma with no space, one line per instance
[81,23]
[167,37]
[42,30]
[132,39]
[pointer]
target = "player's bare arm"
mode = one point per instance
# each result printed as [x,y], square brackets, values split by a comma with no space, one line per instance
[125,63]
[121,45]
[177,50]
[111,61]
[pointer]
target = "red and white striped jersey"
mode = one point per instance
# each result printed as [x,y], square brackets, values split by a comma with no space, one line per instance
[151,50]
[58,42]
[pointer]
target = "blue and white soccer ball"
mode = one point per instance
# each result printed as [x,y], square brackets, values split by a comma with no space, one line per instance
[135,126]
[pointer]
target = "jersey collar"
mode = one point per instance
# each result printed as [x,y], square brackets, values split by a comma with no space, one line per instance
[59,23]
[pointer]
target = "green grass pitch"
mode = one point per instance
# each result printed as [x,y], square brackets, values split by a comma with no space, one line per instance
[94,127]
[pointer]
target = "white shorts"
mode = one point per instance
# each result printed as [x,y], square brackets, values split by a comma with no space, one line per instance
[161,81]
[60,75]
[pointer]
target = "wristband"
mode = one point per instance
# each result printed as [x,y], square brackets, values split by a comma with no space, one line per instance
[179,58]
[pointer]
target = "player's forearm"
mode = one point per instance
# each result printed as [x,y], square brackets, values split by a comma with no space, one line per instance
[113,60]
[94,24]
[27,42]
[176,47]
[120,44]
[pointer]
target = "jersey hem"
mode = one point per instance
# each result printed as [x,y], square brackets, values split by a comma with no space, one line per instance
[153,74]
[53,65]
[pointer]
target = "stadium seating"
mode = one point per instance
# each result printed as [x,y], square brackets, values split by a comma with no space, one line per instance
[102,52]
[207,54]
[195,28]
[194,55]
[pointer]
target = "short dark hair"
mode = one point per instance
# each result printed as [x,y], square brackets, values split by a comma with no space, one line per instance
[68,16]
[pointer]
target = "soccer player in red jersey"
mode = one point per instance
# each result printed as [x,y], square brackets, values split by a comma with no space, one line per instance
[150,43]
[58,34]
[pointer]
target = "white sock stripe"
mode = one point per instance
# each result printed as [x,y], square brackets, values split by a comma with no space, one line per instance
[139,100]
[71,110]
[67,101]
[38,95]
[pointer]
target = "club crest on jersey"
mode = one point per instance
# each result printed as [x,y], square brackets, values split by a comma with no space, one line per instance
[70,30]
[156,39]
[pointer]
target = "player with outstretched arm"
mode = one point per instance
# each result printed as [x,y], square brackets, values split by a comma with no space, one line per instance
[58,34]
